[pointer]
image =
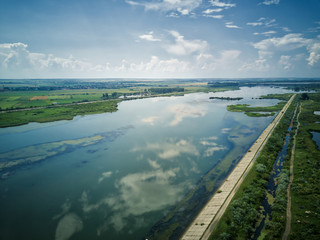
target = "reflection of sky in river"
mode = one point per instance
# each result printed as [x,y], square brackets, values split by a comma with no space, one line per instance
[121,185]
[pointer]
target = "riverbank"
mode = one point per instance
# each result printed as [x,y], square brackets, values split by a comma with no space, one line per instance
[202,226]
[50,114]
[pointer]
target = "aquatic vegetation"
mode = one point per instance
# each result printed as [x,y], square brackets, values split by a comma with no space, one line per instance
[256,111]
[35,153]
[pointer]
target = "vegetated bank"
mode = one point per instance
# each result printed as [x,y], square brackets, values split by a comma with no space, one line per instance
[51,114]
[27,103]
[305,189]
[242,215]
[256,111]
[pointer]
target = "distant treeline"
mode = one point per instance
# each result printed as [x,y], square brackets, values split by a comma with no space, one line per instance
[223,84]
[74,85]
[226,98]
[166,90]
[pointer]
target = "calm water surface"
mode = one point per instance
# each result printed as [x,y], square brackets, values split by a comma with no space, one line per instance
[114,175]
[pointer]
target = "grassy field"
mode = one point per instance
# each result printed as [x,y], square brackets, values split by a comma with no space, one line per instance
[10,100]
[256,111]
[305,189]
[56,113]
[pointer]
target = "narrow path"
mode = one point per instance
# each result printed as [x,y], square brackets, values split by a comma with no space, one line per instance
[288,221]
[207,219]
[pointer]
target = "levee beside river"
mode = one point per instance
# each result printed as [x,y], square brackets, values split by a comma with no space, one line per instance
[206,220]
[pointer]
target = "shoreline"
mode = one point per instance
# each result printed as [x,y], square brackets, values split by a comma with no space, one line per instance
[203,224]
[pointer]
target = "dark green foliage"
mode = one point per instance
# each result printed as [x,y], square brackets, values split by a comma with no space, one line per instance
[304,96]
[56,113]
[256,111]
[305,189]
[166,90]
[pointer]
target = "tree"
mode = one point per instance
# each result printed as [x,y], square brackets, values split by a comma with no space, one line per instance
[305,96]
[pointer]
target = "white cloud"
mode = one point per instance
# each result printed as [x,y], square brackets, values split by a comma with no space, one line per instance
[270,47]
[214,16]
[149,37]
[185,47]
[268,33]
[314,50]
[220,6]
[265,22]
[285,63]
[216,10]
[270,2]
[104,175]
[17,57]
[184,7]
[285,43]
[231,25]
[218,3]
[156,65]
[260,65]
[227,60]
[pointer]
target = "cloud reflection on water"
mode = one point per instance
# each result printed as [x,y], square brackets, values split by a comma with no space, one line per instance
[182,111]
[170,148]
[138,193]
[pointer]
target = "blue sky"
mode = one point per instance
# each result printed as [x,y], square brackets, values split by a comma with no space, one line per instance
[159,38]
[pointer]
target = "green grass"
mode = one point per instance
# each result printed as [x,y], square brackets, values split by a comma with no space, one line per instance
[56,113]
[305,189]
[252,190]
[254,110]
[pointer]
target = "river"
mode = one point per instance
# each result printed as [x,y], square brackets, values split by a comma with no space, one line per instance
[114,175]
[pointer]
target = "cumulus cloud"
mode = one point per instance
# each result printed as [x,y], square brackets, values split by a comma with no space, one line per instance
[314,50]
[185,47]
[16,56]
[285,43]
[285,63]
[156,65]
[269,47]
[149,37]
[227,59]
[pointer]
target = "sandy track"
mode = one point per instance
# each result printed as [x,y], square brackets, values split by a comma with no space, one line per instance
[288,218]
